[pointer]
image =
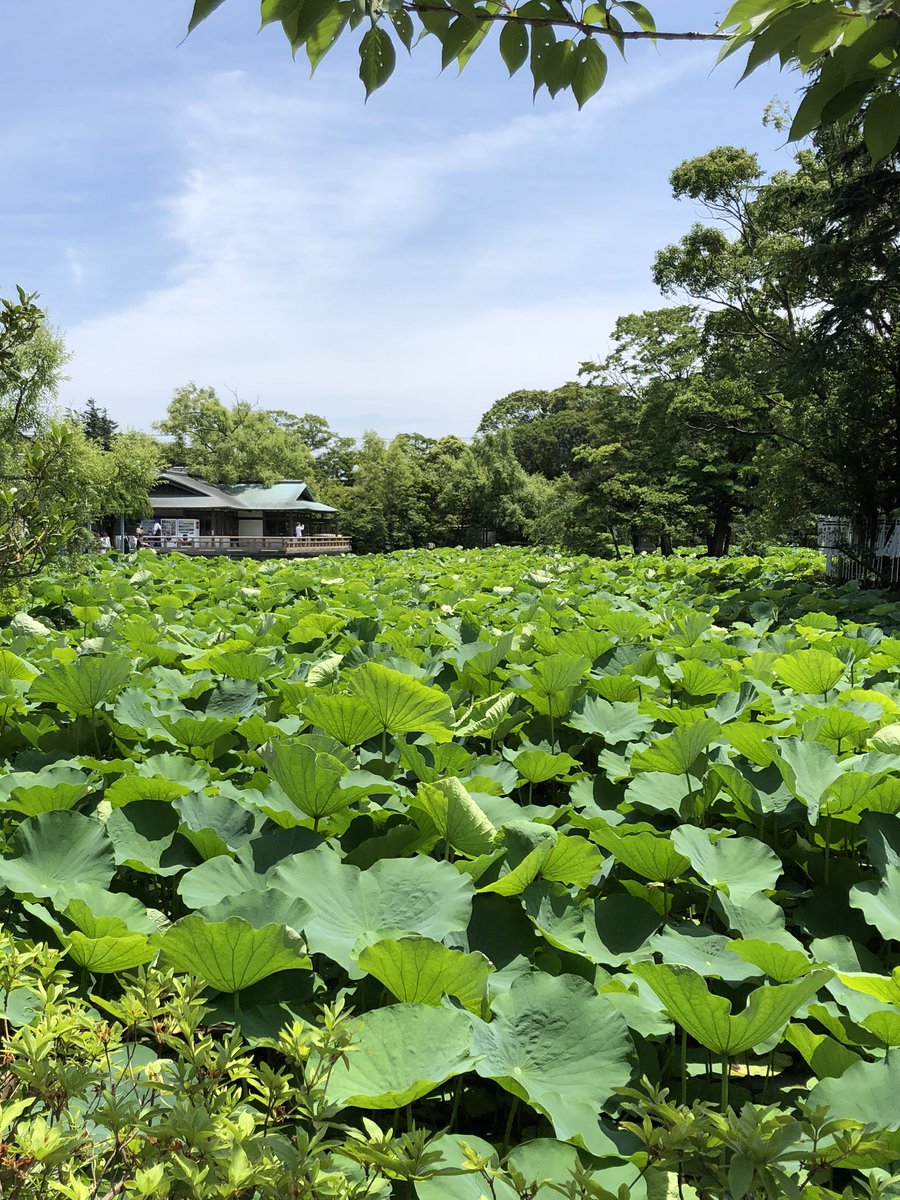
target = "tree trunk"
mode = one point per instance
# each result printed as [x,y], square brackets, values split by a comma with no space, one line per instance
[717,541]
[665,544]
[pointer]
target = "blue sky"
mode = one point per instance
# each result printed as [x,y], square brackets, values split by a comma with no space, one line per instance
[201,209]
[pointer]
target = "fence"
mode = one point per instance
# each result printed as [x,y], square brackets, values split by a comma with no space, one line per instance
[238,545]
[858,551]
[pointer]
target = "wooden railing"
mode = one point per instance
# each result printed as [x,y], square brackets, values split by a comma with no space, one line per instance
[236,545]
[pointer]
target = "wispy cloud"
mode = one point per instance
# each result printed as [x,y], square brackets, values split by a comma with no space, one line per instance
[327,259]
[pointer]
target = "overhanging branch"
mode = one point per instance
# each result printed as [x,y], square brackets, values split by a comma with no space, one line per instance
[572,22]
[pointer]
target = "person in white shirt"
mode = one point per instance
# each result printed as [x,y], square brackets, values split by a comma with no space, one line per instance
[298,531]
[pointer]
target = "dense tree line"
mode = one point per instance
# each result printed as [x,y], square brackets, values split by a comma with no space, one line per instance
[766,390]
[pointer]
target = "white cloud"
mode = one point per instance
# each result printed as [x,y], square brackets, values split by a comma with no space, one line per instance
[327,258]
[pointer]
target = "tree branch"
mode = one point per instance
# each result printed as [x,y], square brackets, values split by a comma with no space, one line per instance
[571,22]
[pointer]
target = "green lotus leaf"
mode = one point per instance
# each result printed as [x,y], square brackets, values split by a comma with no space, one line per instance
[130,788]
[698,678]
[751,739]
[400,703]
[455,816]
[885,1025]
[55,788]
[144,835]
[248,665]
[887,739]
[196,733]
[538,766]
[811,671]
[353,907]
[311,781]
[677,753]
[528,846]
[460,1182]
[79,687]
[572,860]
[885,988]
[809,769]
[741,866]
[260,907]
[344,717]
[659,791]
[109,954]
[232,698]
[213,824]
[827,1057]
[557,673]
[97,912]
[486,715]
[15,668]
[708,1018]
[879,902]
[642,849]
[231,955]
[867,1093]
[401,1053]
[56,850]
[212,881]
[779,963]
[547,1166]
[422,971]
[558,1045]
[614,722]
[706,953]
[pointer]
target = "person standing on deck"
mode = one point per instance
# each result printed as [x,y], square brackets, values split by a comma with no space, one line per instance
[298,531]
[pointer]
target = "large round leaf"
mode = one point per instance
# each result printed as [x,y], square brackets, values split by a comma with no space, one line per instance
[708,1018]
[400,703]
[558,1045]
[741,866]
[55,851]
[401,1053]
[812,671]
[231,955]
[422,971]
[353,907]
[80,686]
[676,753]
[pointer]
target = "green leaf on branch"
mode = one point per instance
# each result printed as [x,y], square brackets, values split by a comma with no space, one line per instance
[377,58]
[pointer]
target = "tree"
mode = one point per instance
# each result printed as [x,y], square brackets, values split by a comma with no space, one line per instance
[848,49]
[97,424]
[797,275]
[545,427]
[39,506]
[236,444]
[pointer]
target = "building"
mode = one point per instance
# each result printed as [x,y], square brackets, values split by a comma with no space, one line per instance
[240,519]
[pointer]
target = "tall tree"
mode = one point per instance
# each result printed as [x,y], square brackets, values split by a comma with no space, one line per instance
[41,512]
[97,424]
[239,443]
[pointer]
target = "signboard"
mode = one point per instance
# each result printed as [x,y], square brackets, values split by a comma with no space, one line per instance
[176,531]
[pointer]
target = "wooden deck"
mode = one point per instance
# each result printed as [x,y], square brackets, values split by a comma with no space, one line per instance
[213,545]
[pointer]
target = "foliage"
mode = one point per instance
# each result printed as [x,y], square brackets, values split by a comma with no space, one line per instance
[236,444]
[848,49]
[545,825]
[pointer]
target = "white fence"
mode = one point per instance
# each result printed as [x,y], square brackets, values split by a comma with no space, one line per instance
[857,551]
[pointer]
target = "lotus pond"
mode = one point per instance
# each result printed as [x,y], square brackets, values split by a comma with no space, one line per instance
[546,826]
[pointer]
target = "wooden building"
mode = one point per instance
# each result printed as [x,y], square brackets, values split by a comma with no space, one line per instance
[197,517]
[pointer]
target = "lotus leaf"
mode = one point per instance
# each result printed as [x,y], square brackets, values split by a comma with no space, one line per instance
[54,851]
[352,907]
[81,686]
[401,704]
[811,671]
[741,866]
[232,954]
[421,970]
[557,1044]
[401,1053]
[708,1018]
[677,753]
[456,816]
